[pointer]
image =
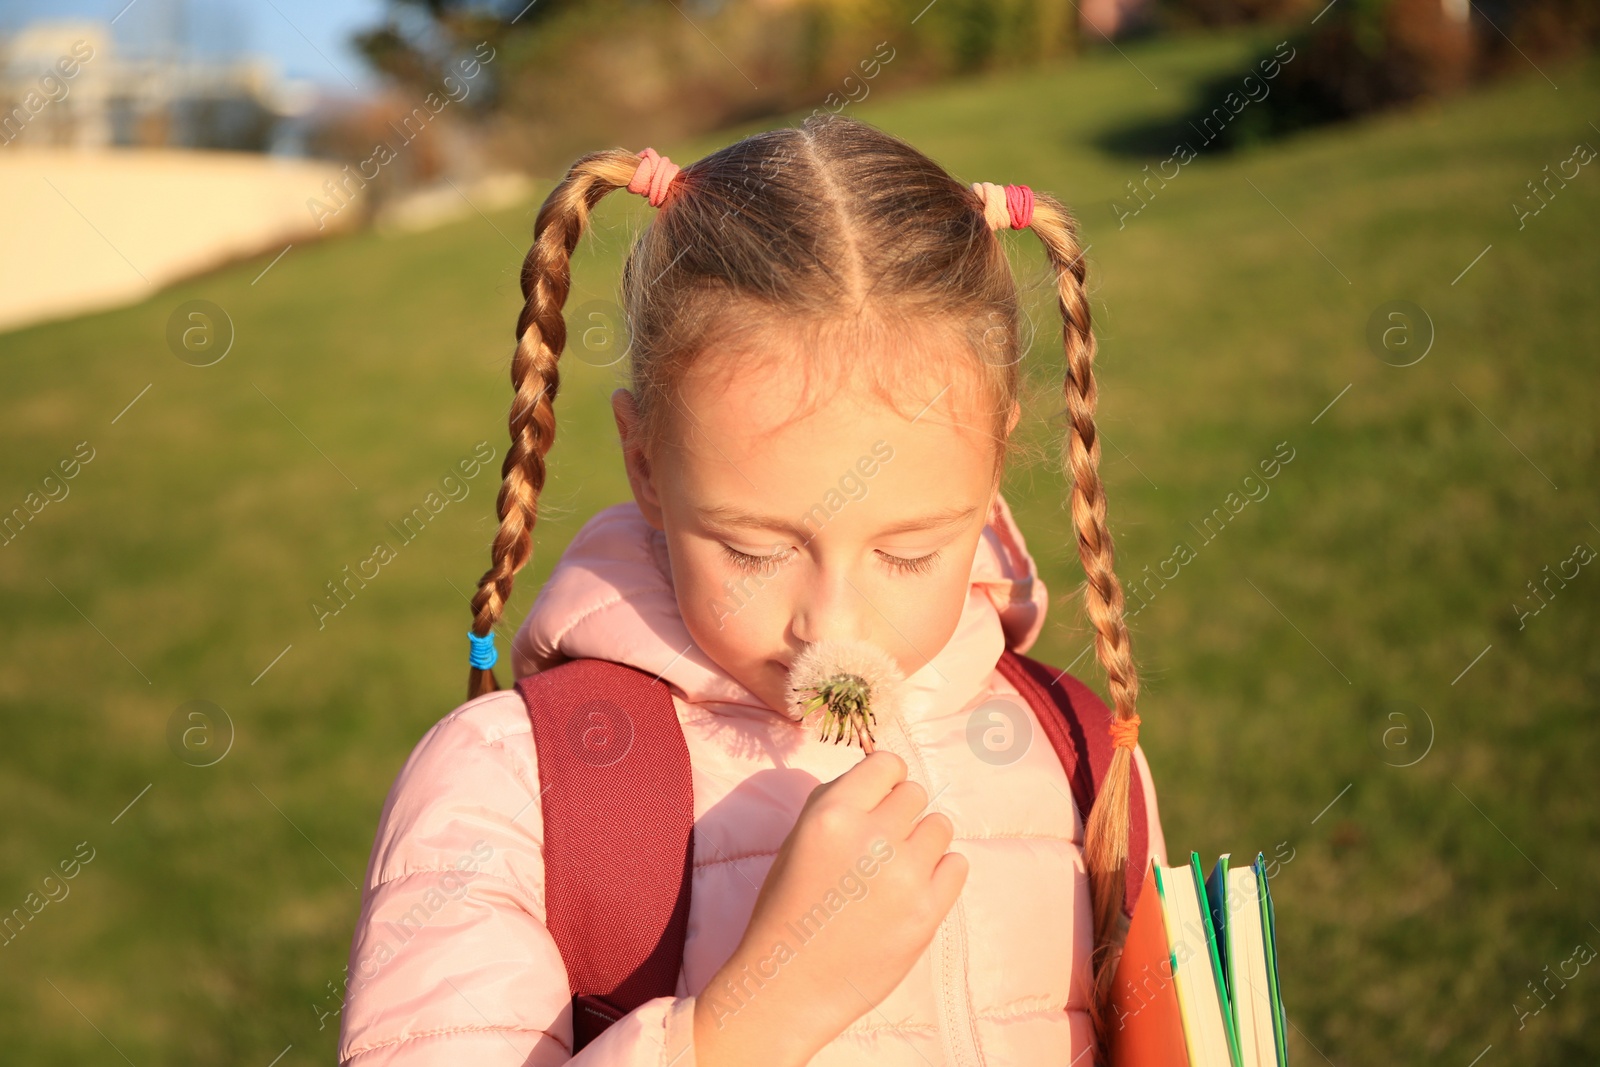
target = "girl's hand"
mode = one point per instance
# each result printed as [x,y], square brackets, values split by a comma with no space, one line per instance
[851,901]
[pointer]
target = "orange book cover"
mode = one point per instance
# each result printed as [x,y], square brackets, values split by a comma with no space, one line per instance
[1146,1024]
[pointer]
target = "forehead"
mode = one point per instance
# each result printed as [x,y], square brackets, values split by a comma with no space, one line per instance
[767,429]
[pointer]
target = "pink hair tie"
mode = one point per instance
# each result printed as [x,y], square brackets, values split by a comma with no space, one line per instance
[1005,205]
[1019,204]
[655,174]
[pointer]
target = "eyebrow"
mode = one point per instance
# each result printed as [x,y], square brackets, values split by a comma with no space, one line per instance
[729,516]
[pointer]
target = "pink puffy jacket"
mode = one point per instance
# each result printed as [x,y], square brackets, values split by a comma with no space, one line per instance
[451,961]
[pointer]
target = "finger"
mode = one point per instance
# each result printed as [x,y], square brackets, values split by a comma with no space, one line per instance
[932,836]
[903,804]
[949,876]
[866,784]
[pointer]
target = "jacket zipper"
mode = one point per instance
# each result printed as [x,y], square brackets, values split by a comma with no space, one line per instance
[957,1030]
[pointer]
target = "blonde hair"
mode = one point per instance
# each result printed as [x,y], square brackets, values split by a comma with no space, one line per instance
[831,222]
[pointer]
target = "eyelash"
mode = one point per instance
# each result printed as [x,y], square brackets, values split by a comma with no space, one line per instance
[920,565]
[747,562]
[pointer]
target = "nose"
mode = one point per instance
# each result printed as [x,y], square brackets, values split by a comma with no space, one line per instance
[831,609]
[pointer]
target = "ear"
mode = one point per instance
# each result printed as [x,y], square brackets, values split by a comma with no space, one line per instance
[626,412]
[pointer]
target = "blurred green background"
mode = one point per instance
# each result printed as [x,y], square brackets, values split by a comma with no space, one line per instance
[1340,678]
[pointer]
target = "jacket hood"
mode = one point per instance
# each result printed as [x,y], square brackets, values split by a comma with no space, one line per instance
[610,596]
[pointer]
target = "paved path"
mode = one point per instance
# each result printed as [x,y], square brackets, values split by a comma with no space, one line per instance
[81,231]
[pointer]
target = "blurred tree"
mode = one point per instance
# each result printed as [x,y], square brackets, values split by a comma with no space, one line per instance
[387,145]
[1540,28]
[1184,14]
[1361,56]
[569,75]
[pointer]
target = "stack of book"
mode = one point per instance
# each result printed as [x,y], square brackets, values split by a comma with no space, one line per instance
[1198,980]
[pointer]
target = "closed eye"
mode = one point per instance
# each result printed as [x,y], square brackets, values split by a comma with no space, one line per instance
[920,565]
[746,562]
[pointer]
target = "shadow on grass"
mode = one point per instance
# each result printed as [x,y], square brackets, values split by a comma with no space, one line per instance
[1252,105]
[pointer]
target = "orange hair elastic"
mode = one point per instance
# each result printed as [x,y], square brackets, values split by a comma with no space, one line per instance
[1125,732]
[655,174]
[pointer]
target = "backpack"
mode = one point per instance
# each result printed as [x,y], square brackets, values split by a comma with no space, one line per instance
[618,806]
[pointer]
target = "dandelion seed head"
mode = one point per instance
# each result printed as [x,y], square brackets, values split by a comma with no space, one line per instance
[843,678]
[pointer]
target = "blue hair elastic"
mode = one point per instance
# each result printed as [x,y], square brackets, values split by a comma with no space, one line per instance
[483,654]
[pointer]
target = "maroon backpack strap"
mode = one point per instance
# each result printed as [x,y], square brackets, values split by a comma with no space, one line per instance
[618,806]
[1078,725]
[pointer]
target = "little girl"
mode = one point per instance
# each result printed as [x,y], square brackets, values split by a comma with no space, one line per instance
[824,381]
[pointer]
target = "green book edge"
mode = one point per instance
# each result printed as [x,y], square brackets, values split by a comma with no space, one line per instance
[1216,963]
[1217,892]
[1280,1025]
[1161,891]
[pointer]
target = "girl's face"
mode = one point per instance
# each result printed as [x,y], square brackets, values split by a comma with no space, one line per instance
[855,522]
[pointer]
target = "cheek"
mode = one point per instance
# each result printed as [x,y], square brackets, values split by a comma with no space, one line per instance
[925,614]
[731,614]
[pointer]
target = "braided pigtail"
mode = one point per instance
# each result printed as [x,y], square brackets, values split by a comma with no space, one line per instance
[1106,832]
[541,336]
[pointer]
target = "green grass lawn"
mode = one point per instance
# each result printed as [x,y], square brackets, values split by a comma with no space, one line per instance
[1315,642]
